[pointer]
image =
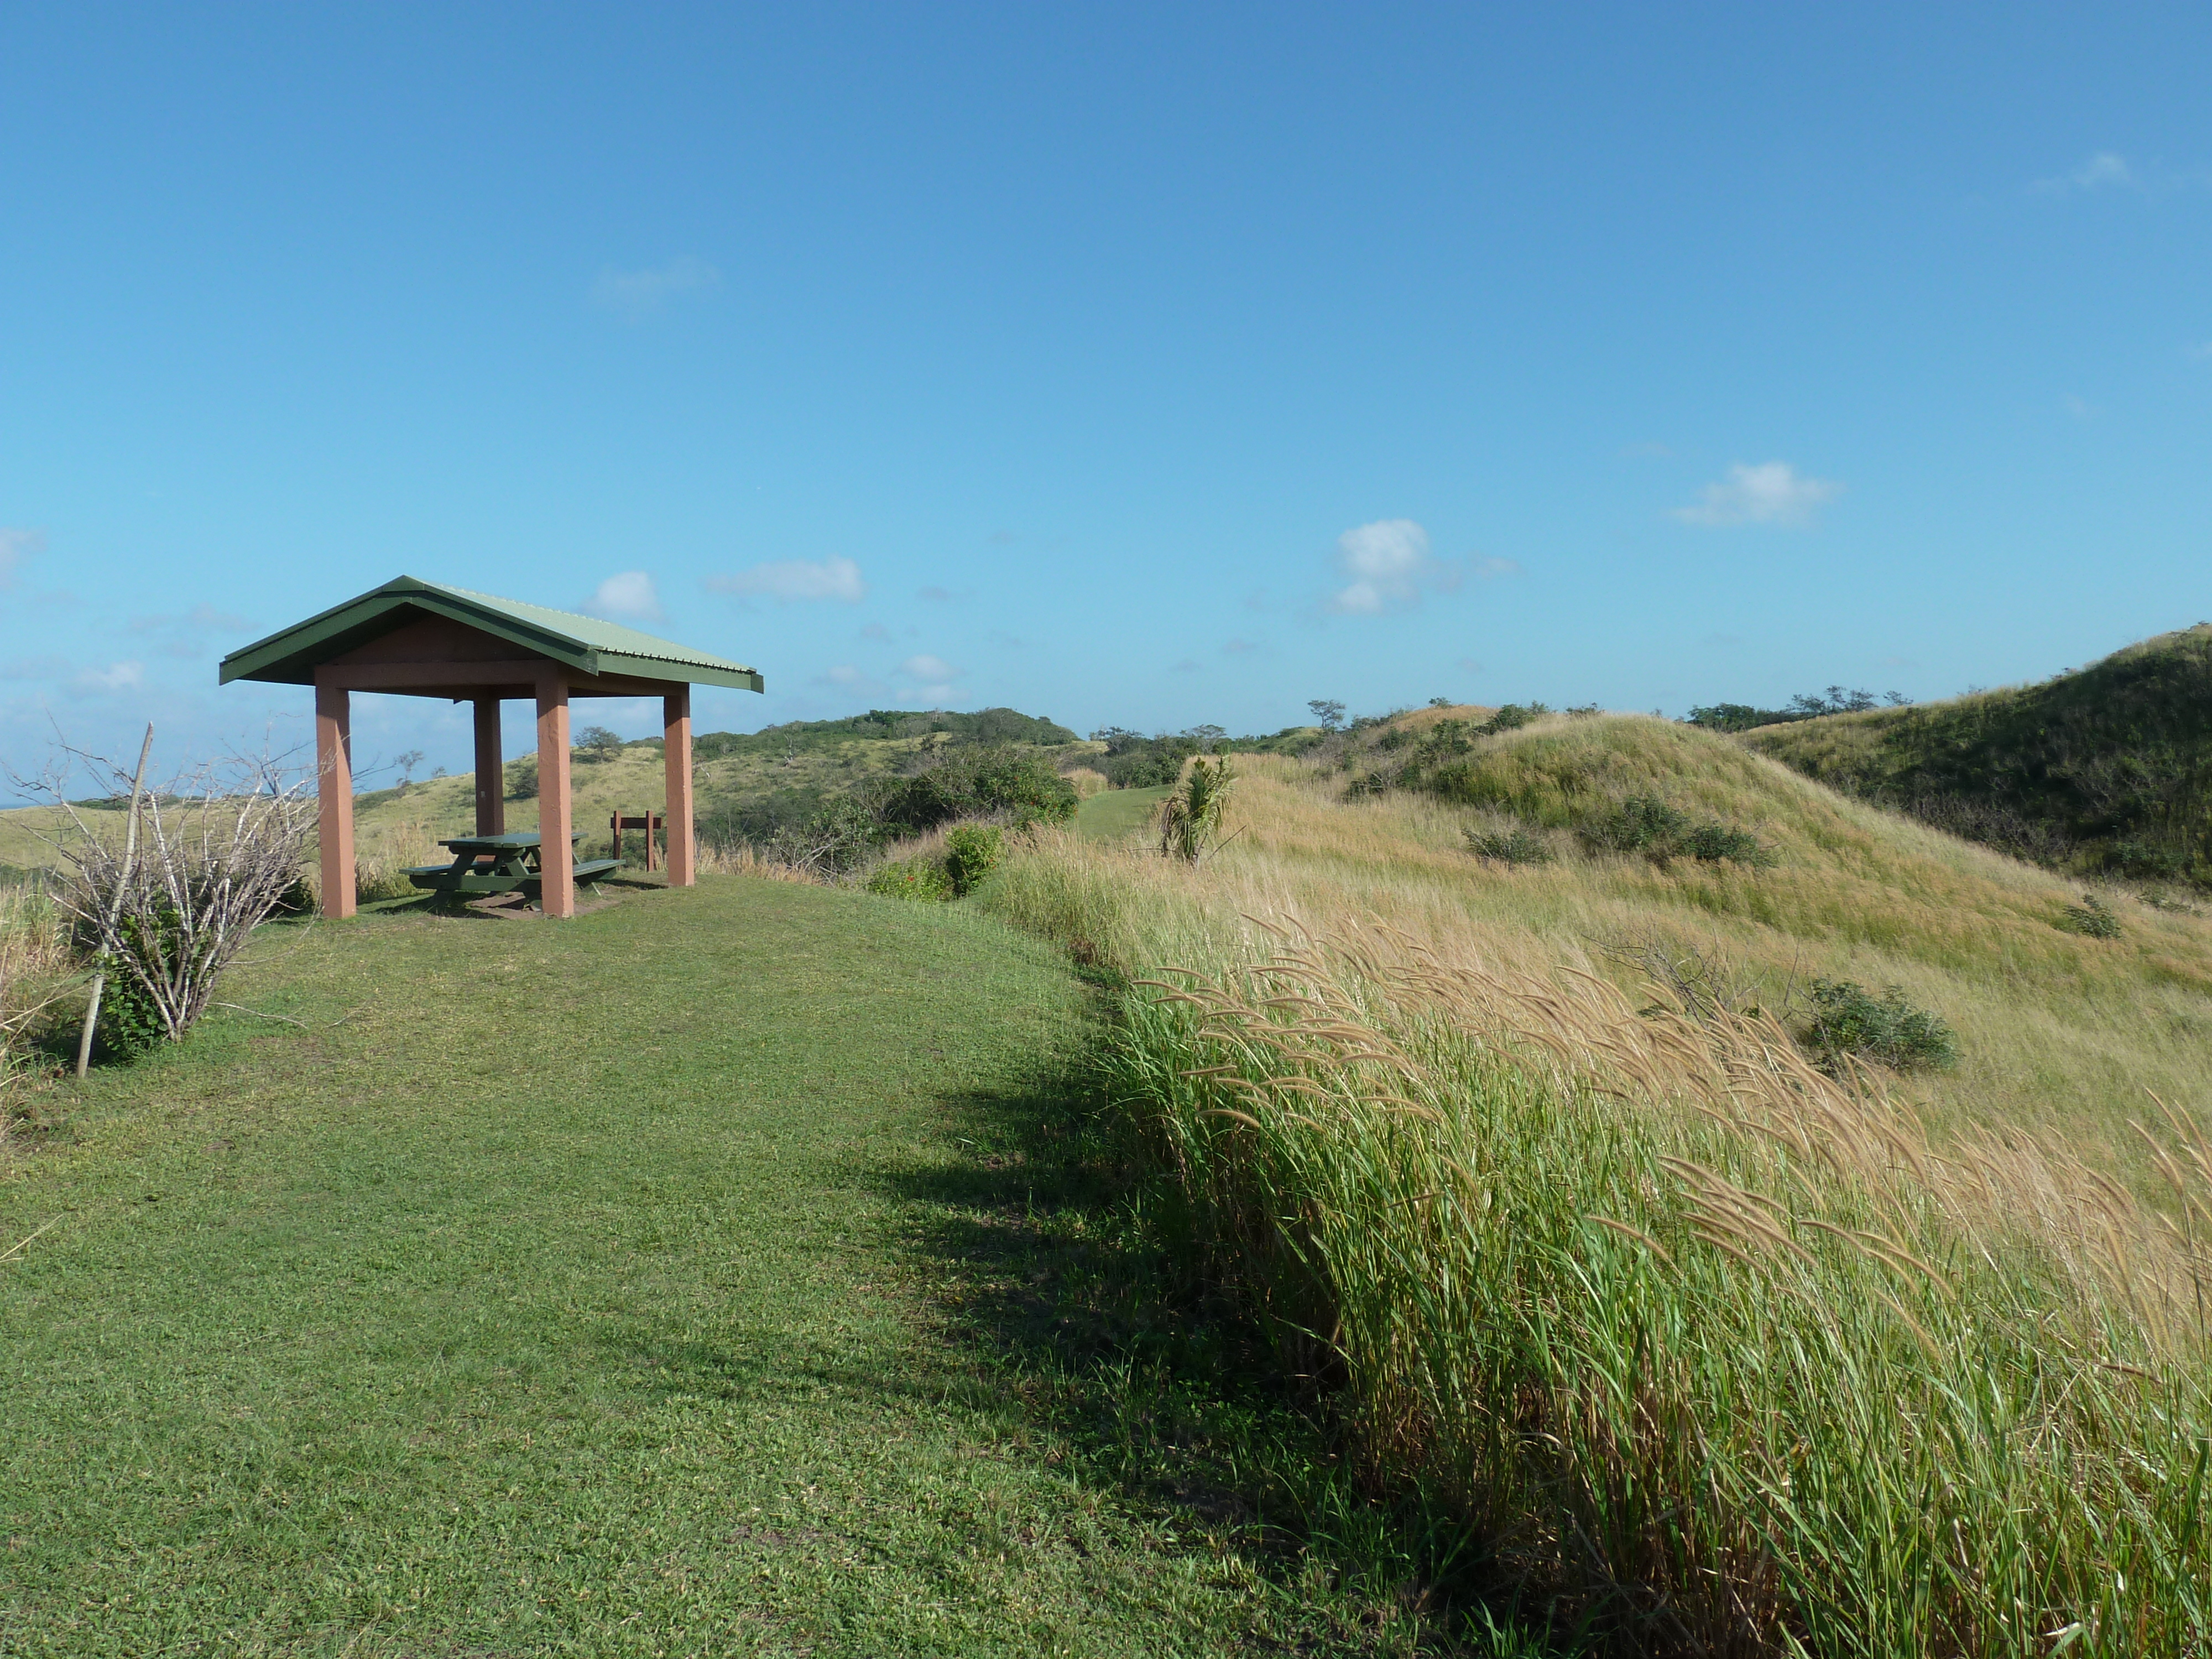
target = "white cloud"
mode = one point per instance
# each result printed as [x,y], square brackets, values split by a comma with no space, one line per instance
[628,597]
[797,579]
[16,546]
[846,677]
[926,667]
[1389,564]
[1491,570]
[1773,492]
[118,677]
[2106,170]
[635,293]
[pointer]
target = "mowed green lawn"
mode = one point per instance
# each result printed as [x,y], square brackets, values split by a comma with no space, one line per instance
[578,1288]
[1111,814]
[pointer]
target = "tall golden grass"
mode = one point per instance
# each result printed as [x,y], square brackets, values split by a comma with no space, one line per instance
[1733,1355]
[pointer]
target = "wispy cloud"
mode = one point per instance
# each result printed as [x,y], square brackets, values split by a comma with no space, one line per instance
[797,579]
[1388,563]
[2202,351]
[2106,170]
[635,293]
[1240,648]
[117,676]
[1772,493]
[934,594]
[16,546]
[924,666]
[846,677]
[1491,570]
[934,676]
[627,596]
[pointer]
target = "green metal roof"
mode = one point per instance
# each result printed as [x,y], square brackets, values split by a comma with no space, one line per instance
[585,643]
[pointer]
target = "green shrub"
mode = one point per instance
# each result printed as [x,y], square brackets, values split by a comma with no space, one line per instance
[1646,824]
[1513,846]
[1642,824]
[971,852]
[991,780]
[1511,717]
[130,1023]
[921,879]
[522,779]
[2090,917]
[1849,1019]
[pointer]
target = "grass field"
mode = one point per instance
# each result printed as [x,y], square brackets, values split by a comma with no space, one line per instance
[1733,1356]
[1115,815]
[699,1277]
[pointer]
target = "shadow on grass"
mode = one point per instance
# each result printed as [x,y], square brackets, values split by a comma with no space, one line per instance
[1059,1281]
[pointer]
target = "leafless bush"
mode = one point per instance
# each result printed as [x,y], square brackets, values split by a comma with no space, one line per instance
[202,862]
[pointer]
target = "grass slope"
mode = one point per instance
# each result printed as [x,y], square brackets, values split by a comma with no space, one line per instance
[2060,1033]
[2105,769]
[621,1286]
[1737,1359]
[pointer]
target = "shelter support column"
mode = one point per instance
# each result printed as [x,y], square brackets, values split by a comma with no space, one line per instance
[334,795]
[555,857]
[675,721]
[491,776]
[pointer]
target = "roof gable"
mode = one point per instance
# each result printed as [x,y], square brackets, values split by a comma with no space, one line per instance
[587,644]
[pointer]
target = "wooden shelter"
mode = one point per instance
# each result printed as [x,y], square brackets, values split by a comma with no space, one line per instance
[418,639]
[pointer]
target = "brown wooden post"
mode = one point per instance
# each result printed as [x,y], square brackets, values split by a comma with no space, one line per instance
[557,863]
[334,795]
[491,777]
[676,720]
[655,823]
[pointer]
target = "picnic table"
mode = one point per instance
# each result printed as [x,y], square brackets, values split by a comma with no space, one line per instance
[485,865]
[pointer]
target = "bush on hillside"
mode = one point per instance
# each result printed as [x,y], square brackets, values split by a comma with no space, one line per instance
[990,781]
[921,879]
[1513,846]
[521,776]
[971,852]
[2090,917]
[1646,824]
[1848,1019]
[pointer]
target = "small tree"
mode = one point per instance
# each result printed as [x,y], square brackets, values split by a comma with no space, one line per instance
[597,744]
[407,763]
[1191,819]
[1327,712]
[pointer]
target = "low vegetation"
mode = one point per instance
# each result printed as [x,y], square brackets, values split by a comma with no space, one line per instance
[1783,1316]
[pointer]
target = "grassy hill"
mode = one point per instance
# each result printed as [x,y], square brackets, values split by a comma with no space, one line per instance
[1521,1159]
[2106,768]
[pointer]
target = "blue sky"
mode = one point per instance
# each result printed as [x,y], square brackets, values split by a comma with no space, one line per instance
[1152,365]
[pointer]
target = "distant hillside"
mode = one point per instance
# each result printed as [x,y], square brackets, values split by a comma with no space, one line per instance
[2105,769]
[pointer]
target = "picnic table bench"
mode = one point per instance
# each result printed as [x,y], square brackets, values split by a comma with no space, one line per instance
[497,863]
